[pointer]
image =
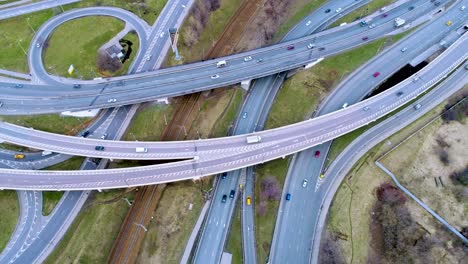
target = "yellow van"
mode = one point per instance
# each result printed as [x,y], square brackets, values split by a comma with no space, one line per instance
[19,156]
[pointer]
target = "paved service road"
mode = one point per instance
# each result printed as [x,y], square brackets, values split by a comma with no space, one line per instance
[222,154]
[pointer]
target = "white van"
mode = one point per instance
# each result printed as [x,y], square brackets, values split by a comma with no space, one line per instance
[141,150]
[221,64]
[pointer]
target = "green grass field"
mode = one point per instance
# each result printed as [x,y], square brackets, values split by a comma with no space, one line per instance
[76,42]
[149,123]
[9,211]
[16,35]
[92,234]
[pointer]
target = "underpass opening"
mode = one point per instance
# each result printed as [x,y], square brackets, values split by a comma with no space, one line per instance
[397,77]
[137,163]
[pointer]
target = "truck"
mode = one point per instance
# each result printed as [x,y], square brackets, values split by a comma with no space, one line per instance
[221,64]
[399,22]
[254,139]
[141,150]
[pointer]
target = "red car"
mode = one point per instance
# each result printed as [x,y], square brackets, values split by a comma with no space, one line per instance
[317,154]
[385,15]
[376,74]
[290,48]
[365,38]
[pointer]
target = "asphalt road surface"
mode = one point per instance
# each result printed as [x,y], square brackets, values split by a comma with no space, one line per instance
[195,77]
[223,154]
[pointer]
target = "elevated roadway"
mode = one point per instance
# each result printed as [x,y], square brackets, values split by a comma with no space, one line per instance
[222,154]
[197,76]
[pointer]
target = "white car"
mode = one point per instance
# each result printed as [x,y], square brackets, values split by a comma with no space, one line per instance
[38,45]
[304,183]
[216,76]
[112,100]
[308,23]
[462,8]
[372,26]
[310,46]
[248,58]
[104,136]
[338,10]
[404,49]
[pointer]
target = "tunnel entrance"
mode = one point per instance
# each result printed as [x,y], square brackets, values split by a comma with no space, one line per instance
[397,77]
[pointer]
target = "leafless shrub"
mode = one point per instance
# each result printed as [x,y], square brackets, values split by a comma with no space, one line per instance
[269,189]
[108,64]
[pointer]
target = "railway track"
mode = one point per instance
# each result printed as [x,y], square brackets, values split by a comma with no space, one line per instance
[131,234]
[234,29]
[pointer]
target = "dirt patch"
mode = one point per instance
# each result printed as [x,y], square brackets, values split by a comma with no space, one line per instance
[438,151]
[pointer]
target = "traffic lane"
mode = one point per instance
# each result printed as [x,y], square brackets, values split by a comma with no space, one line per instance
[49,231]
[217,221]
[298,210]
[396,57]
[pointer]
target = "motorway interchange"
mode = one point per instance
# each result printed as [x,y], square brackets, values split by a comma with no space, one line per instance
[208,157]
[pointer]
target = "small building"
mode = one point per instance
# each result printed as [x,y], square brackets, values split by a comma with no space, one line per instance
[115,50]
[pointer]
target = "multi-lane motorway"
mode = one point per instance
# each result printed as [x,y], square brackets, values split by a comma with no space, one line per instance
[252,117]
[221,154]
[207,164]
[197,76]
[305,204]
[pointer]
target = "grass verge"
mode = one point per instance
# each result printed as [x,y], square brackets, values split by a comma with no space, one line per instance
[301,9]
[92,234]
[362,11]
[234,240]
[265,224]
[9,210]
[173,222]
[49,201]
[50,123]
[149,122]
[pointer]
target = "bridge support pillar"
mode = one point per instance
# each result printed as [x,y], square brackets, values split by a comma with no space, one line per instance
[246,84]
